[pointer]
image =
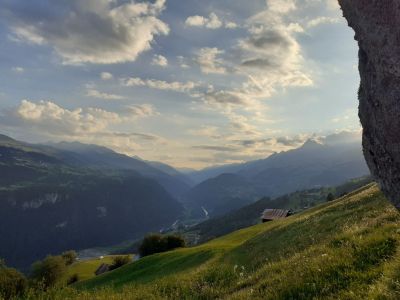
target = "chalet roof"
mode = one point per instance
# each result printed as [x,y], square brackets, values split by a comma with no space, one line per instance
[102,269]
[274,214]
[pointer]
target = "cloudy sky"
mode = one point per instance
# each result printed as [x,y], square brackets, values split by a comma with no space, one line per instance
[190,83]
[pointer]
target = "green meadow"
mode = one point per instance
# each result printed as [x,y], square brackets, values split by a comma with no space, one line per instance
[344,249]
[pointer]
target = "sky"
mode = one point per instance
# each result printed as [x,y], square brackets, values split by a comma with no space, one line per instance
[189,83]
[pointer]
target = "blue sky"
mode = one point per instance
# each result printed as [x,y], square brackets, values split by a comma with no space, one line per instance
[190,83]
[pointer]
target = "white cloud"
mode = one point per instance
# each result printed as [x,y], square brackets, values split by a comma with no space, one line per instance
[332,4]
[106,76]
[183,87]
[226,98]
[281,6]
[210,22]
[101,32]
[101,95]
[159,60]
[322,20]
[48,120]
[142,110]
[51,119]
[18,70]
[208,61]
[48,117]
[231,25]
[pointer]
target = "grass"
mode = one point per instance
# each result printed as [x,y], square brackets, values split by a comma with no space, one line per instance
[85,269]
[345,249]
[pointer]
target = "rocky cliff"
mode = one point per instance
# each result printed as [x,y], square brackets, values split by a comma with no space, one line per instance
[377,30]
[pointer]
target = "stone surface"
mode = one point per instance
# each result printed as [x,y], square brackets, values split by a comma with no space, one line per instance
[377,30]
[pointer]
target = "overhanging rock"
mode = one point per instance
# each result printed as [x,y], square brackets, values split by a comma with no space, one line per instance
[377,30]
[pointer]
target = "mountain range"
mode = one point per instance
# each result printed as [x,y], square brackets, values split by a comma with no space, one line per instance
[329,162]
[75,196]
[68,195]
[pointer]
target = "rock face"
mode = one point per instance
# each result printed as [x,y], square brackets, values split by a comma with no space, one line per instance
[377,30]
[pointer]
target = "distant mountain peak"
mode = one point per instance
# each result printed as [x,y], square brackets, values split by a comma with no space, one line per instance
[311,143]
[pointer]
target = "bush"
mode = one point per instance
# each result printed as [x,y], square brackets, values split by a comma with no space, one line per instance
[156,243]
[330,197]
[119,261]
[74,278]
[12,283]
[174,241]
[49,271]
[69,257]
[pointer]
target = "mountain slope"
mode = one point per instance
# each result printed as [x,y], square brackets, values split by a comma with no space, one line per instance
[48,206]
[101,157]
[219,195]
[345,249]
[310,166]
[250,214]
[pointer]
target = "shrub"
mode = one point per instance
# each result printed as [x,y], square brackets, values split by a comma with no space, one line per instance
[49,271]
[174,241]
[156,243]
[330,197]
[12,282]
[69,257]
[119,261]
[72,279]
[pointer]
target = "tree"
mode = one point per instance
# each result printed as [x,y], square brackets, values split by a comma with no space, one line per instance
[119,261]
[49,271]
[151,244]
[174,241]
[156,243]
[330,197]
[12,283]
[69,257]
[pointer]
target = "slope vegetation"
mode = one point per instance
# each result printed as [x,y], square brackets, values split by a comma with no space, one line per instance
[345,249]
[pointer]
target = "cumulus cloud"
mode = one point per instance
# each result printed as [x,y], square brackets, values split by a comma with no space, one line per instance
[46,119]
[101,32]
[101,95]
[142,110]
[209,62]
[322,20]
[183,87]
[270,58]
[47,116]
[210,22]
[226,98]
[159,60]
[106,76]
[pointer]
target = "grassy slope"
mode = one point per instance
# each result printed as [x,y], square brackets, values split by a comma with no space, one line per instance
[85,269]
[345,249]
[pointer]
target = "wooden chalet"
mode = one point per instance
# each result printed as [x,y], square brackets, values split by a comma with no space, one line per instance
[274,214]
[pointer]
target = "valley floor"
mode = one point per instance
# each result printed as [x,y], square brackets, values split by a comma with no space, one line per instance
[344,249]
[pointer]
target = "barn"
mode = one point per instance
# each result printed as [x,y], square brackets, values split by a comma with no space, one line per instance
[274,214]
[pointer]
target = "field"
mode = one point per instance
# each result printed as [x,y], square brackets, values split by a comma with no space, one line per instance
[345,249]
[85,269]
